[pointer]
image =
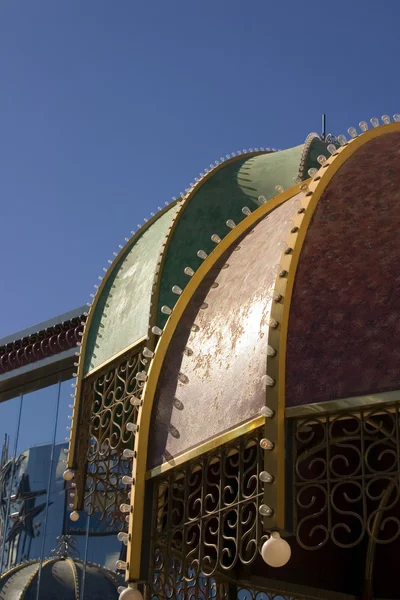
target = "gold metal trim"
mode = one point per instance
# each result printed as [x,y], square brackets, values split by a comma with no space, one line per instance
[80,370]
[26,587]
[74,575]
[16,568]
[319,408]
[289,263]
[144,415]
[170,234]
[207,446]
[156,285]
[116,356]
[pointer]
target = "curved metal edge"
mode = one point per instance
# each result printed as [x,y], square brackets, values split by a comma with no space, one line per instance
[207,446]
[171,230]
[80,375]
[304,156]
[284,286]
[342,404]
[18,567]
[144,414]
[110,575]
[32,577]
[75,576]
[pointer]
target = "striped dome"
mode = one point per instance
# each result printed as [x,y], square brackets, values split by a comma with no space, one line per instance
[60,579]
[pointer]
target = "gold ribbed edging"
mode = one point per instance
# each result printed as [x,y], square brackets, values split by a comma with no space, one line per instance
[182,204]
[75,576]
[13,570]
[144,413]
[317,409]
[32,577]
[280,311]
[80,374]
[207,446]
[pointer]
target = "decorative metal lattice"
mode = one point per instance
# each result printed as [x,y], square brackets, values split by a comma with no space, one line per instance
[249,593]
[205,517]
[110,393]
[67,546]
[346,478]
[208,589]
[179,588]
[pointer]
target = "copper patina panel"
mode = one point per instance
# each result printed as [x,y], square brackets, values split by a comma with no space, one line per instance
[344,325]
[211,377]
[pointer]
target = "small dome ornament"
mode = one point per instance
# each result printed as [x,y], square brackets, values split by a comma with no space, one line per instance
[275,551]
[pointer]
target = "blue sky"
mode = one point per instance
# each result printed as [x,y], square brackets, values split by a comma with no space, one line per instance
[110,108]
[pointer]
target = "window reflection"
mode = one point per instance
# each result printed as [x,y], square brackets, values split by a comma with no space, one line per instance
[37,420]
[24,482]
[64,411]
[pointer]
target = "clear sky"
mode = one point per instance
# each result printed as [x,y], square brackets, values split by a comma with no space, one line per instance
[108,108]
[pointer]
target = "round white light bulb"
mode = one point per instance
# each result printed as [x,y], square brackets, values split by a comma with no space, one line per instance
[275,551]
[74,516]
[130,594]
[68,475]
[352,132]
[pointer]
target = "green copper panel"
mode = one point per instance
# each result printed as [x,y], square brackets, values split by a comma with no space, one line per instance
[122,312]
[220,198]
[317,147]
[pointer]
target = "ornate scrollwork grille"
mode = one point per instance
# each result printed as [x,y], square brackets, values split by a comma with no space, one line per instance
[110,393]
[205,517]
[178,588]
[346,478]
[248,593]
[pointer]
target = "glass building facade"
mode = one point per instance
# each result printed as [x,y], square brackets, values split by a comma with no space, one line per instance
[33,497]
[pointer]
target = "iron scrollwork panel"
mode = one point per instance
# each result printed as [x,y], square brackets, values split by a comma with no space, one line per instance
[111,393]
[249,593]
[347,476]
[205,516]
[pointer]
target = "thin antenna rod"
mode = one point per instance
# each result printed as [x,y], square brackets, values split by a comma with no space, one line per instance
[323,126]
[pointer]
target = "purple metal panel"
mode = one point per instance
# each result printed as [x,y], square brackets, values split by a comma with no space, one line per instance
[211,377]
[344,325]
